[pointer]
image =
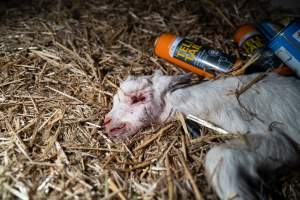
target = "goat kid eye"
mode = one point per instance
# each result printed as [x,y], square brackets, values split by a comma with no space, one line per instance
[137,99]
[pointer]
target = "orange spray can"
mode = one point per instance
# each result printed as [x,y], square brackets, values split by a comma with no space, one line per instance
[203,60]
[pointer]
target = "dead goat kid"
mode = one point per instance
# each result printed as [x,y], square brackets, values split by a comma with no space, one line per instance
[237,169]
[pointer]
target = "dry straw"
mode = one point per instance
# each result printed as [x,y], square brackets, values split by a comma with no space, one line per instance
[60,64]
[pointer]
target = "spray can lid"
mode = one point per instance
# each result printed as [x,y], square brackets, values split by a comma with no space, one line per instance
[162,44]
[269,29]
[243,33]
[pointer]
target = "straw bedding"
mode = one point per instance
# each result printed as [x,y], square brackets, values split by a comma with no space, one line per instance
[61,62]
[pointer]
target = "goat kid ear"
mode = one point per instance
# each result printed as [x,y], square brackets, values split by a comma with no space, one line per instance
[170,83]
[180,81]
[159,80]
[129,77]
[157,73]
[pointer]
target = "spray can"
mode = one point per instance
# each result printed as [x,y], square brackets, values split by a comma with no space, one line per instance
[269,29]
[285,43]
[251,41]
[203,60]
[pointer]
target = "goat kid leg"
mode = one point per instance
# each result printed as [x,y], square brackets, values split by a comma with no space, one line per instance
[239,169]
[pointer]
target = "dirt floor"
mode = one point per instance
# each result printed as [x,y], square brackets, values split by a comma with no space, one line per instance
[61,62]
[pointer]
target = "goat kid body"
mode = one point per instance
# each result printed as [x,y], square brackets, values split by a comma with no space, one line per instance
[273,99]
[238,169]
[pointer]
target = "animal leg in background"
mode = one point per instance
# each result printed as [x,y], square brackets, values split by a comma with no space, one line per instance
[239,169]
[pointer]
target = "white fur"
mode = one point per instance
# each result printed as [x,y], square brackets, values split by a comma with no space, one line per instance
[273,99]
[242,168]
[234,169]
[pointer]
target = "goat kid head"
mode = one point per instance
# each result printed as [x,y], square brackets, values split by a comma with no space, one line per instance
[139,102]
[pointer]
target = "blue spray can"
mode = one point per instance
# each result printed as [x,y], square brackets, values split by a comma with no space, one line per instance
[285,43]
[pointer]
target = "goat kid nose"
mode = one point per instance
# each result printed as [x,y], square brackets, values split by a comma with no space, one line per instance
[107,120]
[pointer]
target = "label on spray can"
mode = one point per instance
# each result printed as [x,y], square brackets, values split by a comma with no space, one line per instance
[251,44]
[203,57]
[287,58]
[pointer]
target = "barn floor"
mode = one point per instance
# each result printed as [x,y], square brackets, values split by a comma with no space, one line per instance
[61,62]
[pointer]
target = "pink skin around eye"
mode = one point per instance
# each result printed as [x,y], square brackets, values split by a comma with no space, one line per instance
[136,99]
